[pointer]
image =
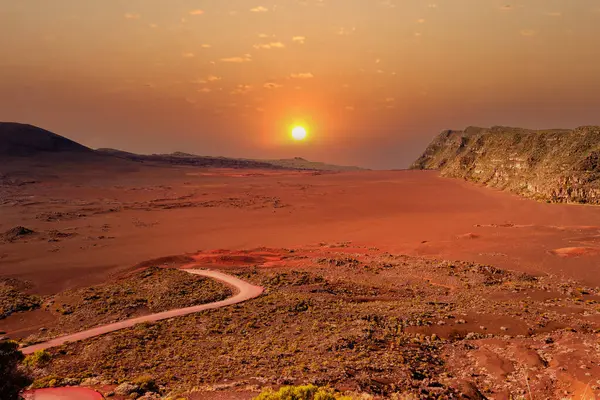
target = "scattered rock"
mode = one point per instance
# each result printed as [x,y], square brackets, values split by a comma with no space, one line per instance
[16,233]
[126,389]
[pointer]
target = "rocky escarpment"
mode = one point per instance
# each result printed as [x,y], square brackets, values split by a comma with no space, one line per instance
[551,165]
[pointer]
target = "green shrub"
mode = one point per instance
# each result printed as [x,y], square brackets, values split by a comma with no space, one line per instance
[306,392]
[39,359]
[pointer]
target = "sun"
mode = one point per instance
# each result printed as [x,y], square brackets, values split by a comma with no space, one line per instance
[299,133]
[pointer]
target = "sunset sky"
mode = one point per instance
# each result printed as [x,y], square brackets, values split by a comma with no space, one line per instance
[372,80]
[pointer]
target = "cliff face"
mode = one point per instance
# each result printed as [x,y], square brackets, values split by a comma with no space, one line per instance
[550,165]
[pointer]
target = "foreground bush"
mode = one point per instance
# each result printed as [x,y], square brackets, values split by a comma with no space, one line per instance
[307,392]
[39,359]
[12,378]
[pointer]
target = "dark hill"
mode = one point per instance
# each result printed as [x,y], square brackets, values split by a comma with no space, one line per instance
[27,140]
[552,165]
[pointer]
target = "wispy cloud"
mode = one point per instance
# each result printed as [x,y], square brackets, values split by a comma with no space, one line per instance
[241,89]
[271,85]
[302,75]
[243,59]
[196,12]
[188,55]
[299,39]
[259,9]
[272,45]
[132,16]
[528,32]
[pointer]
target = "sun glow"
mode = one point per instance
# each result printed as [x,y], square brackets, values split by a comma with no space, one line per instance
[299,133]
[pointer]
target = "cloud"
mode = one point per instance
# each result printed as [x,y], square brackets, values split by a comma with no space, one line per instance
[390,99]
[188,55]
[302,75]
[554,14]
[528,32]
[204,90]
[271,85]
[243,59]
[213,78]
[263,35]
[153,26]
[206,46]
[132,16]
[349,108]
[298,39]
[241,89]
[259,9]
[272,45]
[196,12]
[421,21]
[345,31]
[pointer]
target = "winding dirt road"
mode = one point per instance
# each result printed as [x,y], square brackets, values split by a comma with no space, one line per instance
[245,291]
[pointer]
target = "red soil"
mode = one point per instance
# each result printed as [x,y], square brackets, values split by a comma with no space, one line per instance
[123,217]
[67,393]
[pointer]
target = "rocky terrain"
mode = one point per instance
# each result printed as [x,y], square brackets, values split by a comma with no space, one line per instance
[549,165]
[360,321]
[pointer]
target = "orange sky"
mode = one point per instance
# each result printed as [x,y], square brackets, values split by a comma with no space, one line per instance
[373,80]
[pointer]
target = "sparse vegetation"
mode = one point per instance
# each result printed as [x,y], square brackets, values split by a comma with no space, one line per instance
[153,289]
[307,392]
[13,298]
[380,325]
[39,359]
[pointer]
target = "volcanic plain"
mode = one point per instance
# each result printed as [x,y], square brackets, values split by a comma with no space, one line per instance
[379,283]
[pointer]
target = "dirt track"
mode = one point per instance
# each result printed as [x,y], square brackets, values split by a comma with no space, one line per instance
[245,291]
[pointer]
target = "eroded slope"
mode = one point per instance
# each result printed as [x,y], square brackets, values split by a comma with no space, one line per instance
[551,165]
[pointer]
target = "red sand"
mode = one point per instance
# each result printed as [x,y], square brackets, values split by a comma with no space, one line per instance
[123,218]
[66,393]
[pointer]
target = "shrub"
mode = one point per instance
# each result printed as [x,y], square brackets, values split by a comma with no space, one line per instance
[13,380]
[39,359]
[306,392]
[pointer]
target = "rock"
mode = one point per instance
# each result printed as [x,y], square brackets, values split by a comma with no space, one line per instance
[15,233]
[90,381]
[468,390]
[559,166]
[126,389]
[150,396]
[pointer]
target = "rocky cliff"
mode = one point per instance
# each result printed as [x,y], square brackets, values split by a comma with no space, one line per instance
[551,165]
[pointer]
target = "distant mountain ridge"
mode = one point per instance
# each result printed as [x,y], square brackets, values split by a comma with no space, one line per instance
[557,165]
[181,158]
[19,140]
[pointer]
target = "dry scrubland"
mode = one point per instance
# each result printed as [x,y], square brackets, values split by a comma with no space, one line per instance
[359,321]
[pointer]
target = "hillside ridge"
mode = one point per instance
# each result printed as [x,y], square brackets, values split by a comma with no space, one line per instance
[554,165]
[20,140]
